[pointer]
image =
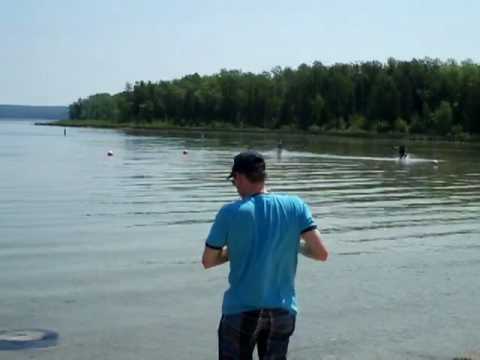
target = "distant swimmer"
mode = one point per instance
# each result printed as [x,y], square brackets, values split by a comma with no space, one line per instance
[64,132]
[110,153]
[185,152]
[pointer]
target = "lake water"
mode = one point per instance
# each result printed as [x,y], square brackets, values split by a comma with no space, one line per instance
[105,250]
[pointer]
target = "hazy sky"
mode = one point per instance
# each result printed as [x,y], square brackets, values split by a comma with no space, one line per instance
[55,51]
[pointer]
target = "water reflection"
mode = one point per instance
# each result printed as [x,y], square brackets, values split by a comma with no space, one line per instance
[354,185]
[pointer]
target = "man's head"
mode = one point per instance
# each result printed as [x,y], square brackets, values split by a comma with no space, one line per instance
[248,172]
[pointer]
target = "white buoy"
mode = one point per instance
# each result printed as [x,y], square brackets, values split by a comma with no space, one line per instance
[27,338]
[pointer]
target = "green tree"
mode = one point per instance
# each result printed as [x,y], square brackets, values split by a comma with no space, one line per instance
[442,118]
[384,102]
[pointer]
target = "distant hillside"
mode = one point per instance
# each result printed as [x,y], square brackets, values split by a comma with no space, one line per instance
[33,112]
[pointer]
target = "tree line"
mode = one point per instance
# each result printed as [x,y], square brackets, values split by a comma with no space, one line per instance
[421,96]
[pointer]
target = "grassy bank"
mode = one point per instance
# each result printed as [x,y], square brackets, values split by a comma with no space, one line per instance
[158,126]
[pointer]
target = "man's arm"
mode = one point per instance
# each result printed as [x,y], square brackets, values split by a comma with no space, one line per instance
[312,246]
[213,257]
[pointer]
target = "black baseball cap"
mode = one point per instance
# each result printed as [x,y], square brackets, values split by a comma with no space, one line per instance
[248,162]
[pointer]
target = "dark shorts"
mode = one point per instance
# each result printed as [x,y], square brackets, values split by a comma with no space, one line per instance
[269,329]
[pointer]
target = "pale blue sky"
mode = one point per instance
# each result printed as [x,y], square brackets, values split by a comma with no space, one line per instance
[55,51]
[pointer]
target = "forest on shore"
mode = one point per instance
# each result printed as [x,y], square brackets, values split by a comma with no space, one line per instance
[421,96]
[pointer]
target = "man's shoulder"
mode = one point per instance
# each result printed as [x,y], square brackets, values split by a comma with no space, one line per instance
[288,198]
[245,204]
[231,206]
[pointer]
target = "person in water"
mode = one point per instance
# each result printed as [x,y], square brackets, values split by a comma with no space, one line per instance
[260,236]
[402,154]
[279,150]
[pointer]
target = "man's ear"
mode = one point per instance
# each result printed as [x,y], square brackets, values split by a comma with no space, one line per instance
[241,178]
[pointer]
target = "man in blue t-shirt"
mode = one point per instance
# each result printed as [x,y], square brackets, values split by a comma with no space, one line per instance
[260,236]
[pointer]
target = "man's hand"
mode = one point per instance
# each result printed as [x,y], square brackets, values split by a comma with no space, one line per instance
[213,257]
[312,246]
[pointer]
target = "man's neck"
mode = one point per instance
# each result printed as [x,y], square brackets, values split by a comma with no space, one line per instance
[255,191]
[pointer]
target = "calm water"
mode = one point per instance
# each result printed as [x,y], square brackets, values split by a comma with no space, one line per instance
[105,250]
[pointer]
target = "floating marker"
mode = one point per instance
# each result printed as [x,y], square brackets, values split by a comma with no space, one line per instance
[27,339]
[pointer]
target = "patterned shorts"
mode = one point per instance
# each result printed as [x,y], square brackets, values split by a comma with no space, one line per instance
[268,329]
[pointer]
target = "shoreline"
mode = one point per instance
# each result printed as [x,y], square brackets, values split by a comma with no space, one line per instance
[158,127]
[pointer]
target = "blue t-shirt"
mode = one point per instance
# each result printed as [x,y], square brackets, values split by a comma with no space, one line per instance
[262,233]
